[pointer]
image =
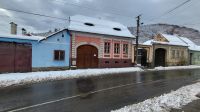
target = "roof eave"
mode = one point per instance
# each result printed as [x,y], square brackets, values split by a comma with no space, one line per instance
[102,34]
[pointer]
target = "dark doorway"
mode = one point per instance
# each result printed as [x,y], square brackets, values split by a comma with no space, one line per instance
[15,57]
[191,55]
[142,57]
[87,57]
[160,55]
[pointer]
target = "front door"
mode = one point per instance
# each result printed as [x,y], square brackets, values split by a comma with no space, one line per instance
[87,56]
[191,55]
[160,57]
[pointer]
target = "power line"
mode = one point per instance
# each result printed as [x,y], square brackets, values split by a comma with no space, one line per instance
[36,14]
[196,4]
[170,11]
[94,9]
[52,17]
[177,7]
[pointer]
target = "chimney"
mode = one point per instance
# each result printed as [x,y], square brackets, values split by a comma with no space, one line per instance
[13,28]
[24,31]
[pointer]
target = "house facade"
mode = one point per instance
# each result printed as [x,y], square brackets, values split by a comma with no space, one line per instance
[19,53]
[145,55]
[52,52]
[97,43]
[167,50]
[194,51]
[86,43]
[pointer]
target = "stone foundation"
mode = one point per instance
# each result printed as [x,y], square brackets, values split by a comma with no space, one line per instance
[115,63]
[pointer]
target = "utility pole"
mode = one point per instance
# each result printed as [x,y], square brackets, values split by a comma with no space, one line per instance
[137,36]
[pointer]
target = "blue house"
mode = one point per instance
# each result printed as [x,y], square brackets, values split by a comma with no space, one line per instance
[19,53]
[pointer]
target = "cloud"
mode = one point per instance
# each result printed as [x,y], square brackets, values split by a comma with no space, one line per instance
[114,10]
[5,12]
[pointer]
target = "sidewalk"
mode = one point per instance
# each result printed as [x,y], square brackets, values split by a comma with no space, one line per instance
[174,68]
[164,103]
[10,79]
[191,107]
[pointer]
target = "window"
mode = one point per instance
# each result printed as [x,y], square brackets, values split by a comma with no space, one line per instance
[107,62]
[173,54]
[59,55]
[89,24]
[117,48]
[177,54]
[125,48]
[107,47]
[182,53]
[117,29]
[125,62]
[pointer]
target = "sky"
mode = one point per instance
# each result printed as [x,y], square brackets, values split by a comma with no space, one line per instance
[123,11]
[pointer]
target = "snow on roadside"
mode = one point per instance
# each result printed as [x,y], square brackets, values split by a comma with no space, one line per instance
[164,103]
[175,68]
[33,77]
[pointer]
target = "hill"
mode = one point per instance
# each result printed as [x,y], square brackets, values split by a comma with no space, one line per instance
[148,31]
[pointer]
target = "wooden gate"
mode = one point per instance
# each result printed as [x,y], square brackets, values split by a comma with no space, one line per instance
[160,57]
[15,57]
[87,56]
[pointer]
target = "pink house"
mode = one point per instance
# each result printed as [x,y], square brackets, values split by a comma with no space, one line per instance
[98,43]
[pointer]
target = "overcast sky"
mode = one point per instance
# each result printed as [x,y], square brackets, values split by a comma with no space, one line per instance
[123,11]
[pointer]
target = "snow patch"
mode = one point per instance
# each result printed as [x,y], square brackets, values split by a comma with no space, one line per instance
[100,26]
[33,77]
[164,103]
[23,37]
[175,68]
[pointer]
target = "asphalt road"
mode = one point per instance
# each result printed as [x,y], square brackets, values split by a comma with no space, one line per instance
[93,94]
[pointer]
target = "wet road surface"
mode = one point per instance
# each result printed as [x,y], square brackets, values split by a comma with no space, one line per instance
[94,94]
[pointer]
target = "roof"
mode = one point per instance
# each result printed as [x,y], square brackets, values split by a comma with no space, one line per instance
[192,45]
[22,37]
[149,42]
[98,26]
[172,40]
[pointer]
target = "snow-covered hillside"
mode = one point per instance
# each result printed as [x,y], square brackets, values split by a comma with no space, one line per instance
[148,31]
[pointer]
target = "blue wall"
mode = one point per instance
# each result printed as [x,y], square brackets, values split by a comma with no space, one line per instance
[43,52]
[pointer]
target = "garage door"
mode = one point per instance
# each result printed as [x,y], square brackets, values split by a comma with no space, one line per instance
[15,57]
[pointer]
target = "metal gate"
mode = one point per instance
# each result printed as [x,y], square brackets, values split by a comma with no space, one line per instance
[15,57]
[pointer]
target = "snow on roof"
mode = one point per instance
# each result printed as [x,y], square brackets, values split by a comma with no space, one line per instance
[22,37]
[148,42]
[172,40]
[192,45]
[99,26]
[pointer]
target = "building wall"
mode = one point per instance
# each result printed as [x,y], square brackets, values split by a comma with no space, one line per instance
[195,57]
[149,50]
[120,60]
[43,52]
[182,59]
